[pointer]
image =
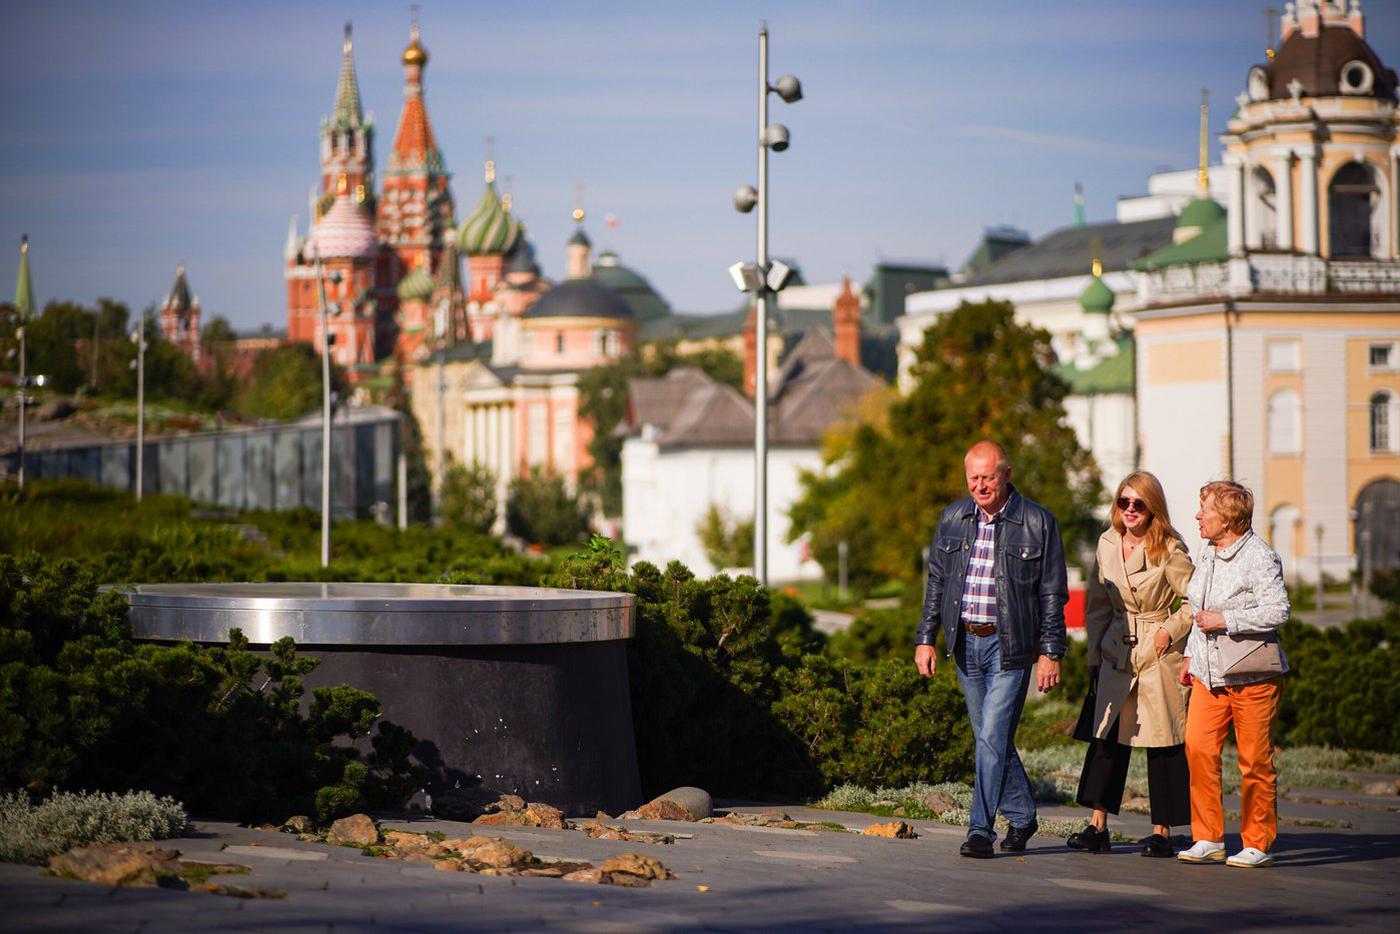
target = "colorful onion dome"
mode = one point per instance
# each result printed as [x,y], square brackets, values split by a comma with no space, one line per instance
[415,54]
[345,232]
[418,285]
[490,228]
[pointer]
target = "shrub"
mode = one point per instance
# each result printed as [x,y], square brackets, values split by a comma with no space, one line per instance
[31,833]
[728,542]
[1342,690]
[877,634]
[81,704]
[469,498]
[541,512]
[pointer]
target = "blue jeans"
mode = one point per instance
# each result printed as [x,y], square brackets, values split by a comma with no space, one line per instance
[994,700]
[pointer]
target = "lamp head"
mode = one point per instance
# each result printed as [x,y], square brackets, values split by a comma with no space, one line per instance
[745,197]
[788,88]
[778,275]
[747,277]
[775,137]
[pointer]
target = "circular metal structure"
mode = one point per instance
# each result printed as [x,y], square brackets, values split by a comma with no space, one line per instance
[519,690]
[379,614]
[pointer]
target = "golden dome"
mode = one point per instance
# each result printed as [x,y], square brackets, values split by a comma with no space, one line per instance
[415,54]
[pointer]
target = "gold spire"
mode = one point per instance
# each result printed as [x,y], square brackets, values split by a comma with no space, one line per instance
[1096,248]
[490,171]
[415,54]
[1269,14]
[348,44]
[1203,176]
[24,243]
[490,159]
[1097,268]
[578,203]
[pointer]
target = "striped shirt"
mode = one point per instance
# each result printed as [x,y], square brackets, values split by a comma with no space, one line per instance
[979,598]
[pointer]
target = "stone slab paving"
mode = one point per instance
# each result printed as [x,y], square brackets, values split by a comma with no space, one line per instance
[820,881]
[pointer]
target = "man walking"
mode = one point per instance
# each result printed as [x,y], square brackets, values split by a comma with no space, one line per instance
[996,586]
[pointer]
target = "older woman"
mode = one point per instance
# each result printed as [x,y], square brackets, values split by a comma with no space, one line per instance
[1235,666]
[1137,625]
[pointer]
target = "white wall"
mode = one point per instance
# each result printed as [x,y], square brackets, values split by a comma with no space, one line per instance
[665,494]
[1104,425]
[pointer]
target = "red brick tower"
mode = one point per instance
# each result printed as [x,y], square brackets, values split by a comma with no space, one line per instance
[415,211]
[347,140]
[845,319]
[179,317]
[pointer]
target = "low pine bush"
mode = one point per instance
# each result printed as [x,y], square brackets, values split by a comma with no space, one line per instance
[32,832]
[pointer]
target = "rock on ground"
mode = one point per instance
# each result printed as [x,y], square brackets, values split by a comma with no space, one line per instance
[896,829]
[116,863]
[358,829]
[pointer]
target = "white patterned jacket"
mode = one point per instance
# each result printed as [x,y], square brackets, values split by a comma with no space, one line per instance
[1246,584]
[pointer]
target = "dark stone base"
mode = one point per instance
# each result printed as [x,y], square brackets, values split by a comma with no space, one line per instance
[551,723]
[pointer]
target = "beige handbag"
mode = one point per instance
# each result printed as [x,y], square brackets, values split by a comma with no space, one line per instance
[1255,655]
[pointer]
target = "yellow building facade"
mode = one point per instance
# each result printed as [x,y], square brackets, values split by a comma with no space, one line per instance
[1268,338]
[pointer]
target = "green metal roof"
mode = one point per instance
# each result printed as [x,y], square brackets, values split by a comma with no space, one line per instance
[1211,245]
[1200,212]
[24,286]
[1110,376]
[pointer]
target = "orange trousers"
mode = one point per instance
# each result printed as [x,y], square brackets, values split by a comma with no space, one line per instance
[1251,708]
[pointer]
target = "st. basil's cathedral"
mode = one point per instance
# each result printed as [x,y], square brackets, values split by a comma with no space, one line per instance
[390,263]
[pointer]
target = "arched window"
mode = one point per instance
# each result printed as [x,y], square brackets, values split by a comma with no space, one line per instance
[1263,211]
[1284,523]
[1385,413]
[1353,212]
[1285,422]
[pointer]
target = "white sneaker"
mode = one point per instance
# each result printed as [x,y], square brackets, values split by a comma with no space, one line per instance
[1250,858]
[1203,851]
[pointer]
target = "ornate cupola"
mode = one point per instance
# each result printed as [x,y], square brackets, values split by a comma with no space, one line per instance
[347,138]
[491,228]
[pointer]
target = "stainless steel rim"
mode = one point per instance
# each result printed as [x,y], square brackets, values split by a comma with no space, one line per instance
[350,614]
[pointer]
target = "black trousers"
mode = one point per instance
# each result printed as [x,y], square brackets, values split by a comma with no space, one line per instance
[1168,779]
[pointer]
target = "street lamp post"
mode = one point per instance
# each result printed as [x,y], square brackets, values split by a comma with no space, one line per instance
[763,278]
[138,336]
[440,325]
[325,410]
[24,310]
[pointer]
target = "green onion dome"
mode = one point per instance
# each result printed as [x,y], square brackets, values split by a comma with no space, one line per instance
[1096,298]
[490,228]
[1200,212]
[417,286]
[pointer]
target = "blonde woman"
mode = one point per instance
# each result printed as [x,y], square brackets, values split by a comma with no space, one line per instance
[1137,625]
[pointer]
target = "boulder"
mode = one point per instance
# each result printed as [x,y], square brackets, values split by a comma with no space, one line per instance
[299,824]
[593,876]
[407,844]
[494,853]
[896,829]
[1381,788]
[55,410]
[939,802]
[531,815]
[449,865]
[664,809]
[695,800]
[506,803]
[357,829]
[116,863]
[636,866]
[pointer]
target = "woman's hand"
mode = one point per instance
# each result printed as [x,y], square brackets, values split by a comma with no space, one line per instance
[1161,641]
[1210,621]
[1185,677]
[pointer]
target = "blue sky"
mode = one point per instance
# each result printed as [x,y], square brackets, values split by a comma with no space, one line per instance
[141,135]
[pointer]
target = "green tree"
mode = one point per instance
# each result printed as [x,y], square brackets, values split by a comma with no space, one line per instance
[468,498]
[977,374]
[540,510]
[286,383]
[728,542]
[51,343]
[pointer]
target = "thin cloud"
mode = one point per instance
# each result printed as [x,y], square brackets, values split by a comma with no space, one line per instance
[1064,142]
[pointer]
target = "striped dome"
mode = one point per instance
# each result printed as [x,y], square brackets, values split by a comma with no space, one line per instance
[490,228]
[345,232]
[417,286]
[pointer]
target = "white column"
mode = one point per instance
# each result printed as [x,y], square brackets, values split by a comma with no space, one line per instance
[1235,209]
[1253,230]
[493,436]
[479,434]
[1283,198]
[466,411]
[1307,161]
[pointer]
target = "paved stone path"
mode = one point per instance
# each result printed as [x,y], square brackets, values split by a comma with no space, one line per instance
[760,880]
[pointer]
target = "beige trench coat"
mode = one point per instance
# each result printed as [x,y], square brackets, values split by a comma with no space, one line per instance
[1135,686]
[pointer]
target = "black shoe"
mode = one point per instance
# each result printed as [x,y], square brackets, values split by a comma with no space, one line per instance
[1090,840]
[1016,837]
[977,847]
[1157,846]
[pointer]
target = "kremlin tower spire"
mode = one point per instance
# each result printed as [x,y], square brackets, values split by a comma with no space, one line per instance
[416,211]
[347,138]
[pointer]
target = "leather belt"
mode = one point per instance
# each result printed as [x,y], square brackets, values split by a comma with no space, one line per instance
[980,629]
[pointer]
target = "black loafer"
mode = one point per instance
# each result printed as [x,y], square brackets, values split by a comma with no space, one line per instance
[1090,840]
[977,847]
[1157,847]
[1016,837]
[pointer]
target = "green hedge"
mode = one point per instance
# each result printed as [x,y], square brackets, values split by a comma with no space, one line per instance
[221,729]
[1342,689]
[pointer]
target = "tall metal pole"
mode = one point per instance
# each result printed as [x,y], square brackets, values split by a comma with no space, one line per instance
[140,406]
[442,316]
[760,389]
[23,402]
[325,417]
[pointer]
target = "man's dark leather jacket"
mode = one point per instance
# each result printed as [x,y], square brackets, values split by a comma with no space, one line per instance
[1030,573]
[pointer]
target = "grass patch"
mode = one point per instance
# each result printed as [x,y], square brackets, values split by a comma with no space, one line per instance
[200,873]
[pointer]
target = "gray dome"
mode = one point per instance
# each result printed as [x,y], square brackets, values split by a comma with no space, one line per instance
[579,298]
[523,259]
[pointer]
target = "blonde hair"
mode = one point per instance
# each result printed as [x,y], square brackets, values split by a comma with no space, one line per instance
[1159,534]
[1233,501]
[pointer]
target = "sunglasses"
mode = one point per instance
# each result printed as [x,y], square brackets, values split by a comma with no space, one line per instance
[1131,505]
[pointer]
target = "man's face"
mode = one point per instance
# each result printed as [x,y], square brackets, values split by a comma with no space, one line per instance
[988,484]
